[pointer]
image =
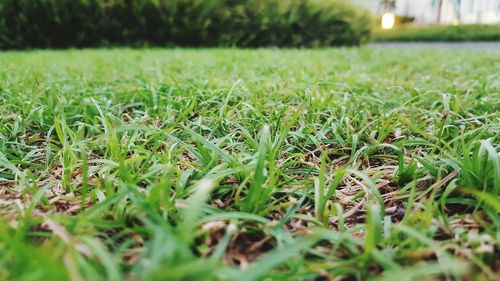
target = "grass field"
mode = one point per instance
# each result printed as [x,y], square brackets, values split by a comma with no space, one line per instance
[334,164]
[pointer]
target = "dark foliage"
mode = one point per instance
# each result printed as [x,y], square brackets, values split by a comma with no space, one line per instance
[244,23]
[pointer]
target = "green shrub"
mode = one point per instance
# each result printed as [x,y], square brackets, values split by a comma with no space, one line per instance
[47,23]
[245,23]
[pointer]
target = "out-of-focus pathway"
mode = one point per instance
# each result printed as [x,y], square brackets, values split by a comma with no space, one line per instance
[480,46]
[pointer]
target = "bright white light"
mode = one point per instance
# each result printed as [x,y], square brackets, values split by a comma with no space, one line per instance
[388,21]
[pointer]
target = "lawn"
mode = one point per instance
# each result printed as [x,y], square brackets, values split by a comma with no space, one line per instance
[211,164]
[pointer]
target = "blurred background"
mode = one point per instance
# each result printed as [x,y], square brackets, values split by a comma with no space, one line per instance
[435,20]
[27,24]
[439,11]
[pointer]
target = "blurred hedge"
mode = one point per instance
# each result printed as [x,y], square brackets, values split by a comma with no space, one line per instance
[245,23]
[445,33]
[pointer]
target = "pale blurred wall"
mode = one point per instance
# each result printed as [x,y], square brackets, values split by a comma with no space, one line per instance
[452,11]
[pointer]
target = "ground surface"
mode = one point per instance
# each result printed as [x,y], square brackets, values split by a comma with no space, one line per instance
[348,164]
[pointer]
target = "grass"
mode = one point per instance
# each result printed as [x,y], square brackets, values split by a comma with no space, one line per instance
[432,33]
[334,164]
